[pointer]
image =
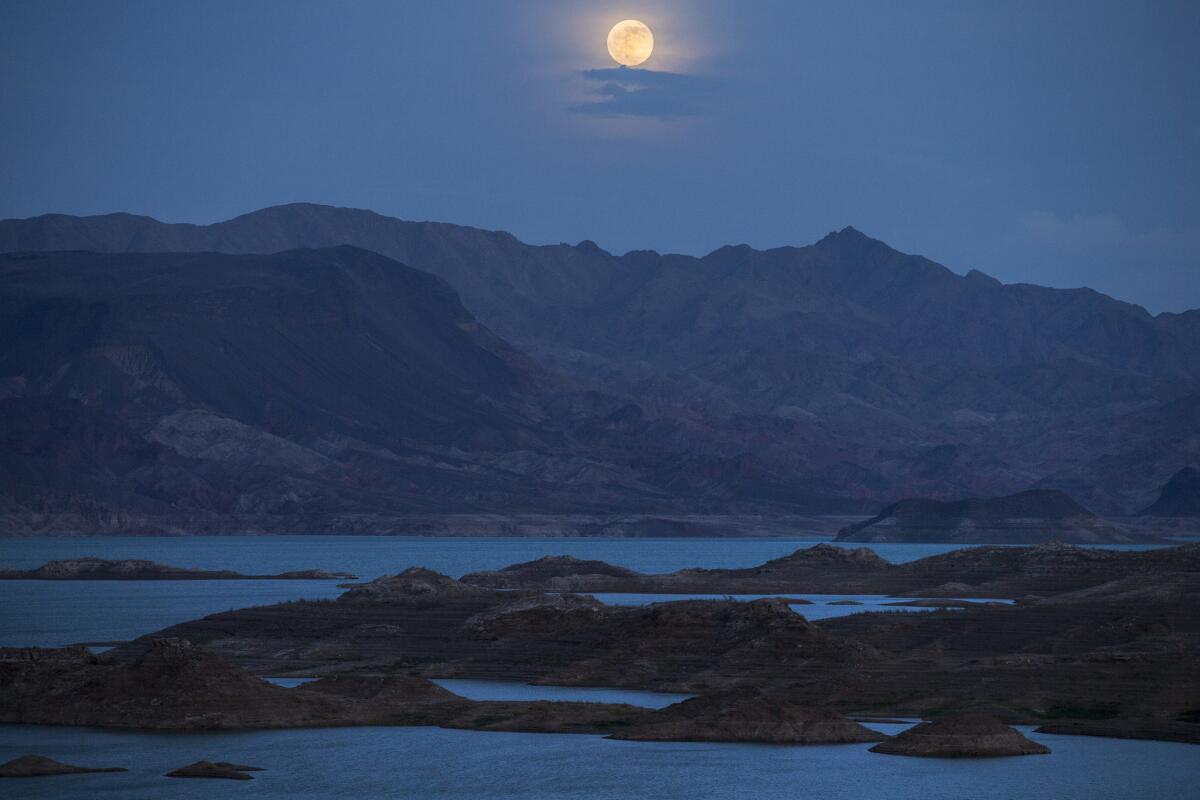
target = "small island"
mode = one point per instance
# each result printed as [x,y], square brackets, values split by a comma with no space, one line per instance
[30,766]
[215,769]
[963,736]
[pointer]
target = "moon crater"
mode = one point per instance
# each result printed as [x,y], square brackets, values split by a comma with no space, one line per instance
[630,42]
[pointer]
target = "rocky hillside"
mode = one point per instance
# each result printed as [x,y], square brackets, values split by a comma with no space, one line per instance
[305,390]
[1030,517]
[1180,496]
[831,377]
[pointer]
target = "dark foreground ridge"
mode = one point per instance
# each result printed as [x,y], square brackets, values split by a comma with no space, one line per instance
[100,569]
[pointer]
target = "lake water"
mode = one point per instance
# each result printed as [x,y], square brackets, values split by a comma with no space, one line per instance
[434,763]
[429,763]
[473,689]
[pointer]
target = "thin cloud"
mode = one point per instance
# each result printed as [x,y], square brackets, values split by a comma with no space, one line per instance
[623,92]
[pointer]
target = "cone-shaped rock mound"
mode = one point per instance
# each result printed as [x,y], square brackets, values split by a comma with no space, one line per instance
[747,716]
[966,736]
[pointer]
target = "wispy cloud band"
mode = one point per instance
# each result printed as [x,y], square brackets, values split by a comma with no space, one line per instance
[620,91]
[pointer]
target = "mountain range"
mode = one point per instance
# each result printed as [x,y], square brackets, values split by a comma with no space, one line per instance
[305,363]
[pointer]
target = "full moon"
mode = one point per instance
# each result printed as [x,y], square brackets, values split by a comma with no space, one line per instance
[630,42]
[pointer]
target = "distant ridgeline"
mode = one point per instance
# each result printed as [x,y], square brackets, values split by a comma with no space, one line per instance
[286,370]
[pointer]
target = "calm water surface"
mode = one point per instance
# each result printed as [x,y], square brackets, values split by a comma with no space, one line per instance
[425,763]
[508,690]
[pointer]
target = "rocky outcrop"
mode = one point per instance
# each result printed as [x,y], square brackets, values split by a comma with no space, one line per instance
[747,715]
[688,645]
[564,603]
[555,573]
[414,586]
[980,572]
[1026,518]
[833,569]
[414,616]
[1179,497]
[542,716]
[174,685]
[215,769]
[101,569]
[394,689]
[30,766]
[177,686]
[966,736]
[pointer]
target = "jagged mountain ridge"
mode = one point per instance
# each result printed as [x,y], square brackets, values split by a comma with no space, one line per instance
[860,371]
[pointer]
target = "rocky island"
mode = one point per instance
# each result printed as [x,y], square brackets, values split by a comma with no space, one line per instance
[132,569]
[30,766]
[215,769]
[966,736]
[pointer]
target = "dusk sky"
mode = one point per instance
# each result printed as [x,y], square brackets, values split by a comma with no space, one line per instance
[1053,143]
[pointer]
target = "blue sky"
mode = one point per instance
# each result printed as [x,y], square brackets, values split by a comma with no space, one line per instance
[1046,142]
